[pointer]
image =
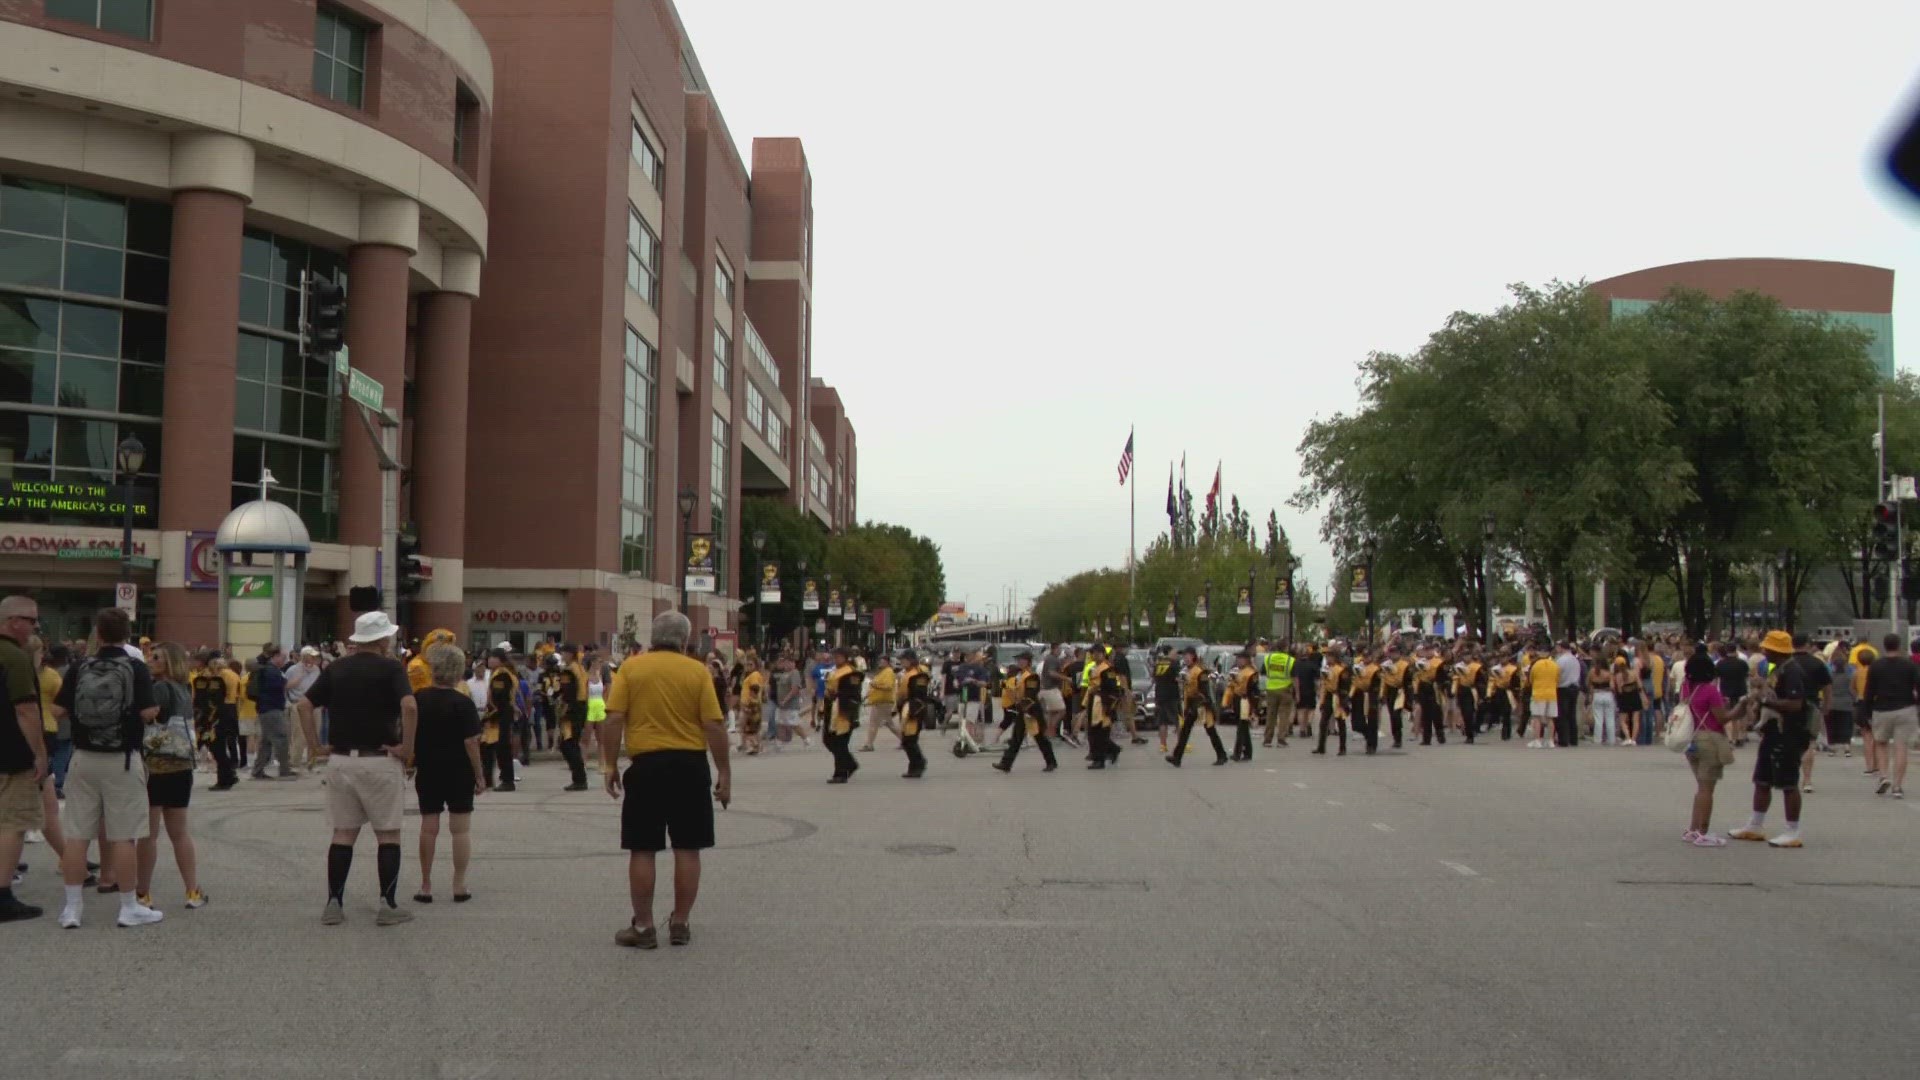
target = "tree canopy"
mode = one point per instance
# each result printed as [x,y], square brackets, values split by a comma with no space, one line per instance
[883,565]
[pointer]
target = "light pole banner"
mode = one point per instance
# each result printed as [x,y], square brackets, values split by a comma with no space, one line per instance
[810,595]
[1362,585]
[770,583]
[701,573]
[1283,595]
[1245,604]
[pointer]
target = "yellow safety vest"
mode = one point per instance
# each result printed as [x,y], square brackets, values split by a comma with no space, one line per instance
[1279,670]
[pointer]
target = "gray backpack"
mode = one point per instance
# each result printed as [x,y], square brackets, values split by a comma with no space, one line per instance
[103,716]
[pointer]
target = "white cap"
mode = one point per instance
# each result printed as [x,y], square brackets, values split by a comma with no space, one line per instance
[373,626]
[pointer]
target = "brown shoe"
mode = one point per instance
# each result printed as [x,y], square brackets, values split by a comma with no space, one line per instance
[637,937]
[679,933]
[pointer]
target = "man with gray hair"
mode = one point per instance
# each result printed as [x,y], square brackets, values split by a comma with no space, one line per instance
[661,707]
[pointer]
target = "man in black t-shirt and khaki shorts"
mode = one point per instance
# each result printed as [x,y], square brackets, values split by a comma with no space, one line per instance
[370,729]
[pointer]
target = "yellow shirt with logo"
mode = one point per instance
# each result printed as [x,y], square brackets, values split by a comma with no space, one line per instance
[880,686]
[667,699]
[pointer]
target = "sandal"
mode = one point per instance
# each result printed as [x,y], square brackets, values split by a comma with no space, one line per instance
[422,898]
[462,897]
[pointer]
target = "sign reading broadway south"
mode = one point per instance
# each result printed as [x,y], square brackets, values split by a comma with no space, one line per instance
[27,500]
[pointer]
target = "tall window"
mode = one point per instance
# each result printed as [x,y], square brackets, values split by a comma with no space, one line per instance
[776,431]
[723,281]
[286,408]
[133,18]
[637,422]
[722,360]
[466,128]
[645,156]
[340,56]
[759,355]
[83,329]
[756,408]
[643,258]
[718,480]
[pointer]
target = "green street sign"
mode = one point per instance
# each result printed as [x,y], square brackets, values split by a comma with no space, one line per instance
[365,389]
[341,365]
[88,554]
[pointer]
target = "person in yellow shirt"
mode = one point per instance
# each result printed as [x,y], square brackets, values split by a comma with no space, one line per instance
[844,683]
[1021,693]
[1335,686]
[497,720]
[1237,702]
[881,706]
[1543,681]
[229,726]
[570,709]
[1196,704]
[753,697]
[916,698]
[419,676]
[663,713]
[1363,703]
[1469,692]
[1428,665]
[1394,674]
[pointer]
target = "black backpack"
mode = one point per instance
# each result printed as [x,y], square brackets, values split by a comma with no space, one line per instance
[103,716]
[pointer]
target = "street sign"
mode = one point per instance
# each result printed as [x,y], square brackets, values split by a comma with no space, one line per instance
[99,553]
[340,363]
[365,389]
[126,597]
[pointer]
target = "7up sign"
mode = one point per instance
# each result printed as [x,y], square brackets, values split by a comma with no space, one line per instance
[250,587]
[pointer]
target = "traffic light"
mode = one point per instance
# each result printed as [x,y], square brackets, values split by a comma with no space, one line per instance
[362,599]
[1885,532]
[413,573]
[1909,581]
[326,316]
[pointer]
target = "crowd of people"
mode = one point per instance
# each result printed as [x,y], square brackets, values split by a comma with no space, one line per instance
[110,733]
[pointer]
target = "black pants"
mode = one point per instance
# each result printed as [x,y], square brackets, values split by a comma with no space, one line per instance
[840,745]
[1366,719]
[1567,724]
[1105,750]
[1469,714]
[1186,733]
[1394,719]
[223,759]
[1432,725]
[497,754]
[1040,740]
[1327,718]
[1243,739]
[1500,708]
[916,761]
[570,749]
[227,730]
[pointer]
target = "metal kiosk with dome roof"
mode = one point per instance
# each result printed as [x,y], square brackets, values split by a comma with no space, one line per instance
[263,548]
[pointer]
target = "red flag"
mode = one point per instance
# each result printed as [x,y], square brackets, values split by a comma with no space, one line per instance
[1213,493]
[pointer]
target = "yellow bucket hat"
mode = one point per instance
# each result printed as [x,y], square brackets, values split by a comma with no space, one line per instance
[1777,641]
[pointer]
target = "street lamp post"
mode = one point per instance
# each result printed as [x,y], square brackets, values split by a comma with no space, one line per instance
[1176,613]
[131,455]
[1206,603]
[1780,586]
[759,544]
[687,498]
[1284,587]
[1367,551]
[1486,579]
[806,628]
[1250,634]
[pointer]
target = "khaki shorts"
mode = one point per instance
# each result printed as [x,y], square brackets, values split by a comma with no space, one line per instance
[879,716]
[21,807]
[1279,705]
[369,791]
[1711,755]
[107,790]
[1896,725]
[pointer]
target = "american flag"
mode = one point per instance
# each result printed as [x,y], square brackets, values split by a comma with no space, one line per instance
[1126,459]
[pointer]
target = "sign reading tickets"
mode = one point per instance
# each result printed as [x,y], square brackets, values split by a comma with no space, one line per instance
[1245,604]
[23,498]
[1362,586]
[809,595]
[770,583]
[702,576]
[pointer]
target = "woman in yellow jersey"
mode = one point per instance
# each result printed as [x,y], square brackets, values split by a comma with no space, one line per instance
[1543,683]
[753,693]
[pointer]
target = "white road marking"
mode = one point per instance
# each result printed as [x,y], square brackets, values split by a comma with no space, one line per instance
[1383,826]
[1460,868]
[1270,770]
[1335,802]
[1301,784]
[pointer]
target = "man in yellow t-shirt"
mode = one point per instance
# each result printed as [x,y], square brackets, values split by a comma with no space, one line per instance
[880,700]
[1543,681]
[663,712]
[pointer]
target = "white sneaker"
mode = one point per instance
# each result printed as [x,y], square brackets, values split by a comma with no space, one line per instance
[1790,839]
[1534,745]
[35,836]
[70,918]
[139,915]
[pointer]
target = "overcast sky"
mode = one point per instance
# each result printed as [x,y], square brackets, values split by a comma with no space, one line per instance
[1039,222]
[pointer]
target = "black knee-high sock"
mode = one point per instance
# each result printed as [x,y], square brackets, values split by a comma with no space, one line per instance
[389,861]
[339,861]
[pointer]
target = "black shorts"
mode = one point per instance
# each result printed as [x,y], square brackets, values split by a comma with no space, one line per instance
[170,790]
[1778,763]
[442,789]
[669,794]
[1863,716]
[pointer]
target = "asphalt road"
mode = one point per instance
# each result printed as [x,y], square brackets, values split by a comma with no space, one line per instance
[1471,911]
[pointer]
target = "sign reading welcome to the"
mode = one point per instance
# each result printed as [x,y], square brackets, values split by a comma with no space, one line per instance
[32,498]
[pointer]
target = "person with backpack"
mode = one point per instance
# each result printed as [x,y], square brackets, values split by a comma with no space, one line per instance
[109,698]
[170,748]
[267,688]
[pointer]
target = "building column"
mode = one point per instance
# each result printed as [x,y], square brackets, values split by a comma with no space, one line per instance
[212,179]
[376,338]
[443,332]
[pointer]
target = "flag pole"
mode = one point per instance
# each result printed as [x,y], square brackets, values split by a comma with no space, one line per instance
[1133,479]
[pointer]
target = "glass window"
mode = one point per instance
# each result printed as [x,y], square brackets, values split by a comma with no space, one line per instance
[756,408]
[759,355]
[638,421]
[133,18]
[31,207]
[648,159]
[340,56]
[776,431]
[723,281]
[303,476]
[466,126]
[29,260]
[643,258]
[722,360]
